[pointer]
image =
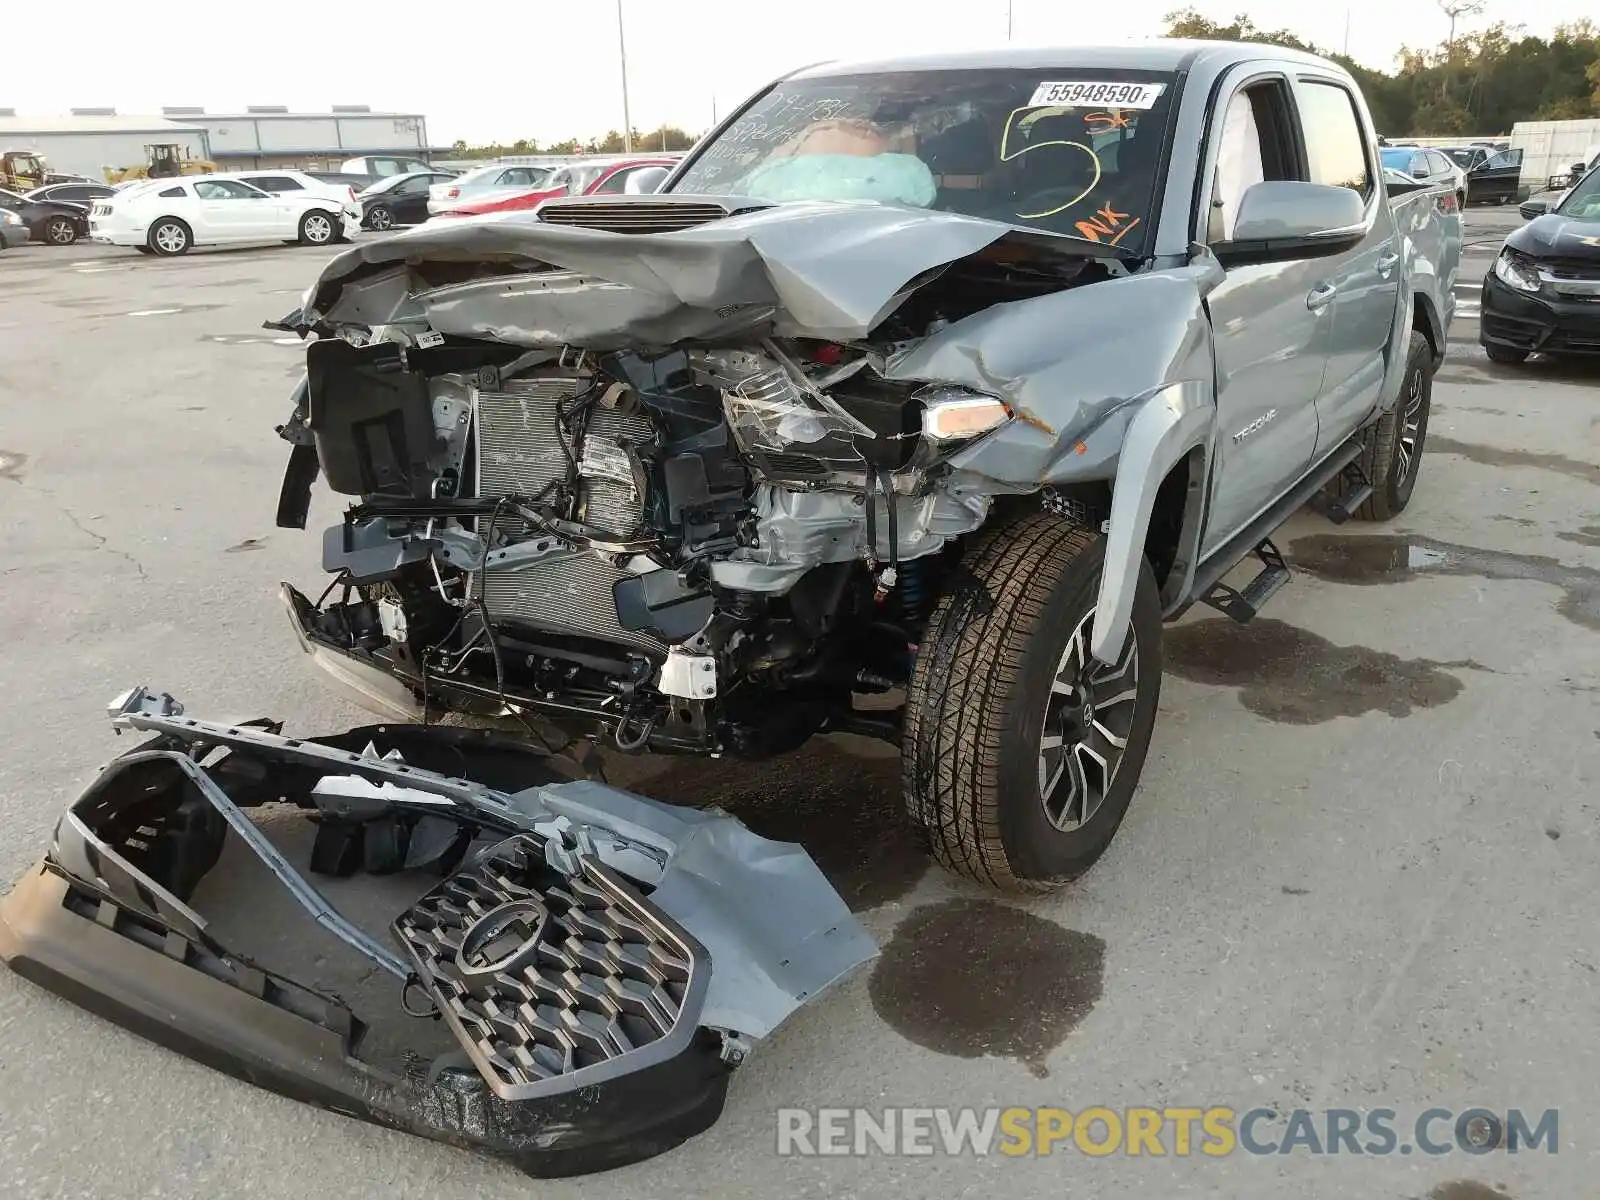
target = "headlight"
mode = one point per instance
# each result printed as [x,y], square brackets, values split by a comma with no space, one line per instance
[1513,270]
[951,414]
[7,217]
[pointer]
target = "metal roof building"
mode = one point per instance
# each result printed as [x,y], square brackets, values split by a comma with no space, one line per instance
[92,139]
[272,136]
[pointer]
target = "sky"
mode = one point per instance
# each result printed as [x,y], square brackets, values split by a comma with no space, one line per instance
[552,71]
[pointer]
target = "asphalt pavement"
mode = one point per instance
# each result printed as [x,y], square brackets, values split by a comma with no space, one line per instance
[1358,874]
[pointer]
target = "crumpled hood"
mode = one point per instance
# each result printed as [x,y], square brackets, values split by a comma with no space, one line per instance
[1555,235]
[830,270]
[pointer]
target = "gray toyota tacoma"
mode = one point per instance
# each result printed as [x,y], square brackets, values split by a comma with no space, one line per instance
[913,402]
[945,378]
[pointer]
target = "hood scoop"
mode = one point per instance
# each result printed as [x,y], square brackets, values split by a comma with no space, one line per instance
[644,214]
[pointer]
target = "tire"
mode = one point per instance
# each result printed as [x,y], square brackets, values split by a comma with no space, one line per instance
[60,231]
[1508,355]
[169,236]
[1392,455]
[379,217]
[318,228]
[975,744]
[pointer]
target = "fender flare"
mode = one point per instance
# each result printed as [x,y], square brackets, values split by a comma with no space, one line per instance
[1399,341]
[1167,426]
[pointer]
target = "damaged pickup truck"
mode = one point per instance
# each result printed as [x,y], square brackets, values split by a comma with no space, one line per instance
[947,378]
[956,375]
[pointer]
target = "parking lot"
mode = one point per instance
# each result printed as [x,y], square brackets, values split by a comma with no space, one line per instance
[1360,871]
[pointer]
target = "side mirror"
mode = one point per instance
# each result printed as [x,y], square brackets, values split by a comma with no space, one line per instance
[1533,208]
[645,181]
[1419,172]
[1579,169]
[1313,214]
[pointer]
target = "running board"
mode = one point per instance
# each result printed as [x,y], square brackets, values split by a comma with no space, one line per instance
[1353,490]
[1242,605]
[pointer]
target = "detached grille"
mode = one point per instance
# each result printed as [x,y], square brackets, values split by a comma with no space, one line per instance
[553,983]
[632,218]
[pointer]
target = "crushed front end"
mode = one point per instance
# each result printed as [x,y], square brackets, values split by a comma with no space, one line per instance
[696,490]
[603,962]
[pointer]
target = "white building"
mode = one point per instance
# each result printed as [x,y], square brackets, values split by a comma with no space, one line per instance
[92,139]
[272,136]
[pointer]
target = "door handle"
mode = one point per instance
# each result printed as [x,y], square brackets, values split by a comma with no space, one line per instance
[1386,262]
[1317,298]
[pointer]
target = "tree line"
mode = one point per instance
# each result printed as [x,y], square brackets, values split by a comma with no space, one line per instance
[663,137]
[1480,82]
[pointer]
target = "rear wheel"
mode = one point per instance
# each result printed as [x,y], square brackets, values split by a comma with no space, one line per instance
[317,228]
[1021,752]
[379,217]
[1392,455]
[60,231]
[170,236]
[1509,355]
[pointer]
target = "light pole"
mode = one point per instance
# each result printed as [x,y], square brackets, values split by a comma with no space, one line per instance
[622,55]
[1008,20]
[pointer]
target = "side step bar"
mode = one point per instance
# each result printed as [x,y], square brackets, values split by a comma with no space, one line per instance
[1241,606]
[1339,503]
[1254,537]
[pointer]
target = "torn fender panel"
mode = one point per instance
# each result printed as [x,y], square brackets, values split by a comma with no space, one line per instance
[825,270]
[1069,363]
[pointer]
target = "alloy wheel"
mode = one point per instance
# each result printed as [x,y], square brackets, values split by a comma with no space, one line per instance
[318,229]
[171,238]
[1410,424]
[1087,722]
[382,218]
[60,232]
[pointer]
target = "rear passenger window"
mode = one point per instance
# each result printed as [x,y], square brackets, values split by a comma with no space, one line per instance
[1336,150]
[174,191]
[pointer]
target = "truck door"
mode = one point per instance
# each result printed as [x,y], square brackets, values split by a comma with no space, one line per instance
[1270,330]
[1365,280]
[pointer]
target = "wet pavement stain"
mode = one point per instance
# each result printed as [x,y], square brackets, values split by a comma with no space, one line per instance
[1522,521]
[971,978]
[1588,535]
[1392,558]
[843,808]
[1467,1189]
[1296,677]
[13,464]
[1467,379]
[1496,456]
[247,544]
[1295,891]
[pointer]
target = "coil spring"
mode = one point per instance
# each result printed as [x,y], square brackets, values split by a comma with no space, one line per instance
[912,587]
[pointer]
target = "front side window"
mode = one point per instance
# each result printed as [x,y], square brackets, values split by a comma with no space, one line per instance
[1335,147]
[1066,150]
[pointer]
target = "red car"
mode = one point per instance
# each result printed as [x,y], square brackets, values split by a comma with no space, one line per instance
[575,179]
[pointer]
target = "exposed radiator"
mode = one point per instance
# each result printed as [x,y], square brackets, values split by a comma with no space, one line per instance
[520,451]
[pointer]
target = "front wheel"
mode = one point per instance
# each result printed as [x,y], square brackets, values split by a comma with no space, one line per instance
[380,218]
[1021,752]
[317,228]
[60,231]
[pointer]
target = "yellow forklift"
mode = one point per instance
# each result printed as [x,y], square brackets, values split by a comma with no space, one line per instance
[21,170]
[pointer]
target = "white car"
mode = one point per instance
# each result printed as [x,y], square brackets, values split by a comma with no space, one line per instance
[287,183]
[171,216]
[480,183]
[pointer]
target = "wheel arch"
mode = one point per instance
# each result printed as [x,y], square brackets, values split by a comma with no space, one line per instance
[1162,475]
[1425,320]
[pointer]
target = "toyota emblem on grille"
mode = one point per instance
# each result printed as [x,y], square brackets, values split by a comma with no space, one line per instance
[506,938]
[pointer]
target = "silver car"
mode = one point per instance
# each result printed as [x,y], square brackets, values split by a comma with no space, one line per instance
[475,185]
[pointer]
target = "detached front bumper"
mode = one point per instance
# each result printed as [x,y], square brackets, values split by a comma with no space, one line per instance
[1538,321]
[603,961]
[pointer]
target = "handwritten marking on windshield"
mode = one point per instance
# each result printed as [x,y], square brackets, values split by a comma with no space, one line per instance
[1107,225]
[1007,155]
[1104,122]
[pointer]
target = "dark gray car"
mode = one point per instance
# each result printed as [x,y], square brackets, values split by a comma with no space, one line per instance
[943,379]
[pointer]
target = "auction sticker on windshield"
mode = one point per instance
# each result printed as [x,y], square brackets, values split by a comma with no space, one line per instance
[1107,92]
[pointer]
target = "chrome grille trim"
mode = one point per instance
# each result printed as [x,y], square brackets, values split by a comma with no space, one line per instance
[632,217]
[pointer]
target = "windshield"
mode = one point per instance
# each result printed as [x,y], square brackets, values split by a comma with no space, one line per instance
[1583,202]
[1069,151]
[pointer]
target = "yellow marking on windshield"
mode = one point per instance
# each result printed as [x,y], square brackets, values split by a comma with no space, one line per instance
[1008,155]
